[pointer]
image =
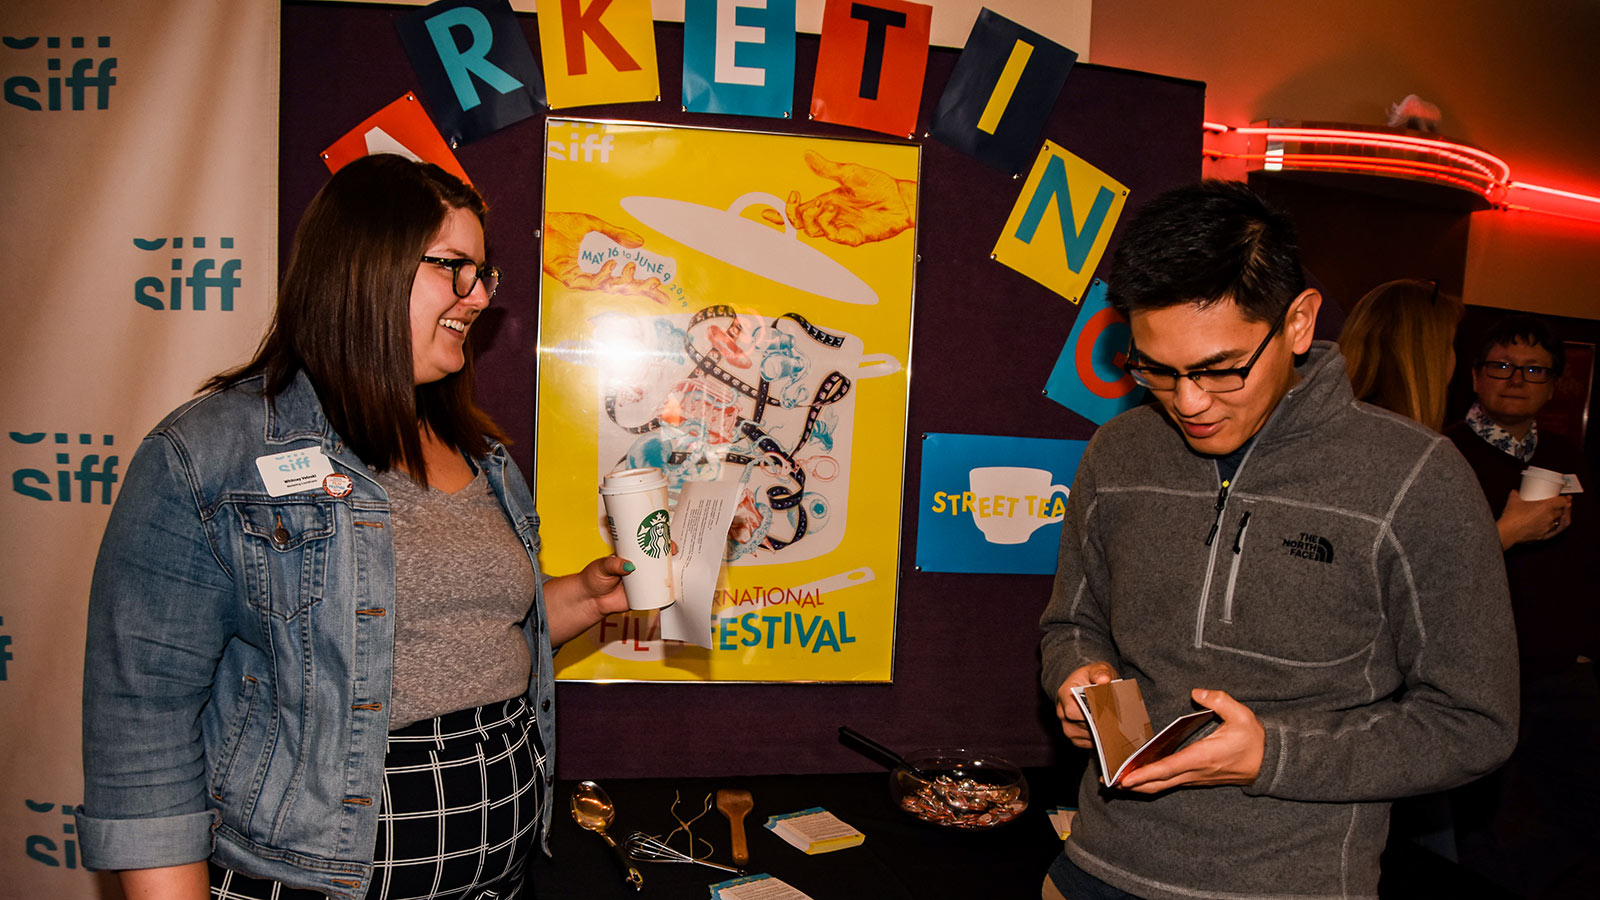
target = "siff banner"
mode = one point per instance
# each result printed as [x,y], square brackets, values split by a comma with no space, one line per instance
[141,182]
[694,321]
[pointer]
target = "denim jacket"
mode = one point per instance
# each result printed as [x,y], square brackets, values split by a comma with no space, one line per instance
[240,650]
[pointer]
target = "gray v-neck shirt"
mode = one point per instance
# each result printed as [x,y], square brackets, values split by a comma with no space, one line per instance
[462,586]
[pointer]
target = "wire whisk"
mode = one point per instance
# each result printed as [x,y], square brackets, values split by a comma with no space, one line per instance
[644,848]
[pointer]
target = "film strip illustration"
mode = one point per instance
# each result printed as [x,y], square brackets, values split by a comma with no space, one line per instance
[772,376]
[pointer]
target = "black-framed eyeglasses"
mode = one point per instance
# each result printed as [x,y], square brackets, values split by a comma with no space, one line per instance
[1212,381]
[1495,368]
[466,274]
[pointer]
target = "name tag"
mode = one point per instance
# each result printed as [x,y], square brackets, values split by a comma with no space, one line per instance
[295,471]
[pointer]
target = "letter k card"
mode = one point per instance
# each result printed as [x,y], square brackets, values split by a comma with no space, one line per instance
[598,51]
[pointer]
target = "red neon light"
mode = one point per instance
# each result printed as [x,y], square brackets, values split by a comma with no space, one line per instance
[1390,145]
[1375,139]
[1409,167]
[1485,167]
[1359,164]
[1420,168]
[1523,185]
[1512,207]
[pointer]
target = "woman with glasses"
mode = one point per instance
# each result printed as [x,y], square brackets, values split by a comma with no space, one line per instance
[319,645]
[1399,348]
[1534,826]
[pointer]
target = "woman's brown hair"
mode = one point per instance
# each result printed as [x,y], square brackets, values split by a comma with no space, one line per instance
[1398,344]
[343,314]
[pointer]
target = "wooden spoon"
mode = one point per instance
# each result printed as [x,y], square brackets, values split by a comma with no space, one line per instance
[734,804]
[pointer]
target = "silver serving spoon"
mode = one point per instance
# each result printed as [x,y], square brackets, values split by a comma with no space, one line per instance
[592,809]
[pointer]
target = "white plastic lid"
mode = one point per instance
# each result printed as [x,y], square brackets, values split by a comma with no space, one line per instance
[633,480]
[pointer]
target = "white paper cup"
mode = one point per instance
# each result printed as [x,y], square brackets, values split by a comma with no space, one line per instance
[1540,484]
[636,512]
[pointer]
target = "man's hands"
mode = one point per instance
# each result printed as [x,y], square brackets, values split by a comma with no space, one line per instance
[1067,708]
[1229,755]
[1533,520]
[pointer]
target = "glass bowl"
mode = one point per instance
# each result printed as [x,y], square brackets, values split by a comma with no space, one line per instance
[959,789]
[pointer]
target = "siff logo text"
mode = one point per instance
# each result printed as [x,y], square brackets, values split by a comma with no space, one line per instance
[5,651]
[43,848]
[91,469]
[205,273]
[88,76]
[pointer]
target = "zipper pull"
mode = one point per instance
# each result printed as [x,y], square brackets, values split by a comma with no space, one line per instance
[1238,539]
[1222,500]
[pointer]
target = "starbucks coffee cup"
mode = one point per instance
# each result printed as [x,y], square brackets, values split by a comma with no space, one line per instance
[636,512]
[1540,484]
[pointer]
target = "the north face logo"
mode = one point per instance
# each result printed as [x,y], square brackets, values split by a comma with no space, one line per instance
[1310,546]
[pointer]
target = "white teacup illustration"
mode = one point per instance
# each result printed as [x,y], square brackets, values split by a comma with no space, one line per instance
[1012,502]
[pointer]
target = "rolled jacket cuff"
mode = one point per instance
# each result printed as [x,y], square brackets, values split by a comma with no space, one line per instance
[146,843]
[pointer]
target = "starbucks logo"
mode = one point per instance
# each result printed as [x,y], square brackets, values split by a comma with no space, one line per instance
[653,537]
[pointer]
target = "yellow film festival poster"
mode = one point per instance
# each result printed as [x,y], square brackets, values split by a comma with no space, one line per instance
[1062,222]
[735,307]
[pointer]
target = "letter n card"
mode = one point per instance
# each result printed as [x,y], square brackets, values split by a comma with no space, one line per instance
[1062,222]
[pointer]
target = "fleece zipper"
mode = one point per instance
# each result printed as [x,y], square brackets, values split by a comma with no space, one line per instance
[1216,525]
[1233,569]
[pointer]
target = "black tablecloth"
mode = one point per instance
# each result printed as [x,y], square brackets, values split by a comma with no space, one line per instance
[902,857]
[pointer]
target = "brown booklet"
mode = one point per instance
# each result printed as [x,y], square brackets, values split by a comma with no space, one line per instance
[1123,736]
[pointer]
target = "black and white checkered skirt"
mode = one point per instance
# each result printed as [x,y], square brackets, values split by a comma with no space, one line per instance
[462,794]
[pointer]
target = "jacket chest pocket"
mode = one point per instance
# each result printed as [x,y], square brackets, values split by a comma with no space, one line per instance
[1293,595]
[285,554]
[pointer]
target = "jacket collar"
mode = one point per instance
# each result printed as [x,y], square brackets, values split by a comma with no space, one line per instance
[1322,391]
[296,415]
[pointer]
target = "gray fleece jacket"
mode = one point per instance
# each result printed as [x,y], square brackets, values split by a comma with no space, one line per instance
[1353,597]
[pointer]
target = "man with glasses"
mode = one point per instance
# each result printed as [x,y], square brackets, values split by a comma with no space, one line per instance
[1535,826]
[1318,571]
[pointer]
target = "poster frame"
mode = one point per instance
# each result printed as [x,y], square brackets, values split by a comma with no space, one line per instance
[904,400]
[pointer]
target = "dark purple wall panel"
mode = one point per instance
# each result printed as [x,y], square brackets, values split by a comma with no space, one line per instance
[985,338]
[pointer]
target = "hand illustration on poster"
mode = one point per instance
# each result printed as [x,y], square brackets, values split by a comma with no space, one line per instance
[868,205]
[690,324]
[575,244]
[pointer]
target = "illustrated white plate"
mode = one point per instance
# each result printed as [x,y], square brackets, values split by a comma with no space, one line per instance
[752,246]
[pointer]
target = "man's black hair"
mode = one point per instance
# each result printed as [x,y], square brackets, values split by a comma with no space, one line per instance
[1206,243]
[1530,330]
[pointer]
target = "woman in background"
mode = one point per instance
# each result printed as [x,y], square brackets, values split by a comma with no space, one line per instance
[319,643]
[1399,346]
